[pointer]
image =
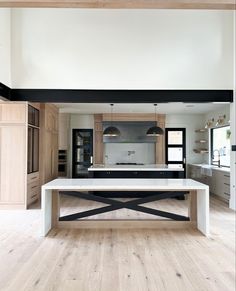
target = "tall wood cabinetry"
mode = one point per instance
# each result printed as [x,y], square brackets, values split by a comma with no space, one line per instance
[98,139]
[19,186]
[49,142]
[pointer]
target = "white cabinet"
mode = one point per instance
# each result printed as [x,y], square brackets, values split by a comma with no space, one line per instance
[219,182]
[222,184]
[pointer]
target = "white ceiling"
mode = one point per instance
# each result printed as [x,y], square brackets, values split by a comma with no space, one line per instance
[165,108]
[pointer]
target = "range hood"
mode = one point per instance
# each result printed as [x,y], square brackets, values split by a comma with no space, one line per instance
[130,132]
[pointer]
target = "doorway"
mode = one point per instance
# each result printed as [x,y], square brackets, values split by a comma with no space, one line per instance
[82,155]
[175,145]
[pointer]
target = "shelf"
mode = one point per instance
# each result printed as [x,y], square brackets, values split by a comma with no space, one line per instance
[201,151]
[201,130]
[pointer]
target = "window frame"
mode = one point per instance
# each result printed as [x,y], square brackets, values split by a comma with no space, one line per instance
[211,136]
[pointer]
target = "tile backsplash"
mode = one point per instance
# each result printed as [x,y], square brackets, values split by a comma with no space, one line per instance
[129,153]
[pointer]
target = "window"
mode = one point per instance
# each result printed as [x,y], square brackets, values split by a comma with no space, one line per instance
[220,145]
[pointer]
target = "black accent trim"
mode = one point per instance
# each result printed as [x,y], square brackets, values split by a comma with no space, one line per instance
[233,148]
[182,145]
[121,96]
[133,205]
[5,91]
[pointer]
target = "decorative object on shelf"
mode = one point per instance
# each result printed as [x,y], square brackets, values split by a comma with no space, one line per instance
[155,130]
[111,130]
[209,123]
[201,130]
[228,133]
[220,120]
[203,140]
[201,151]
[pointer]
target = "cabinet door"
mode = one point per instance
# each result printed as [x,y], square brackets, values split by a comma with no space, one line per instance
[12,113]
[12,164]
[54,155]
[35,150]
[48,156]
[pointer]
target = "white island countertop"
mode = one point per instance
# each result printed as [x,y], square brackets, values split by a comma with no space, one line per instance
[149,167]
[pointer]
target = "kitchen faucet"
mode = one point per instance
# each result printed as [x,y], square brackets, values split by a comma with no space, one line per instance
[218,162]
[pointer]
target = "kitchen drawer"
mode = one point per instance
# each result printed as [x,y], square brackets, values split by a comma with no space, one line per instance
[33,192]
[226,196]
[33,177]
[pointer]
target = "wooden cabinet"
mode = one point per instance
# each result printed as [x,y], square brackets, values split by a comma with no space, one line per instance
[49,142]
[13,113]
[13,165]
[63,131]
[17,189]
[98,139]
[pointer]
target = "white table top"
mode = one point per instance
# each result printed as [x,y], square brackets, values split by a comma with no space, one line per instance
[149,167]
[124,184]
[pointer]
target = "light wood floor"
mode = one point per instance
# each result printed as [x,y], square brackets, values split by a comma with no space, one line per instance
[110,260]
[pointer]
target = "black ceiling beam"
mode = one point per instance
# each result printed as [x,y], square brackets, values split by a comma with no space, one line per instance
[120,96]
[5,91]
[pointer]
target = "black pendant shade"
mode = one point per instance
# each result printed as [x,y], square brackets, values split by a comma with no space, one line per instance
[111,131]
[155,131]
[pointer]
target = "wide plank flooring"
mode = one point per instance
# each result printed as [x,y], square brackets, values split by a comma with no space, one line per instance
[122,260]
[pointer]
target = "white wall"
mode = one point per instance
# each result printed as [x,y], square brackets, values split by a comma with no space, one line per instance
[5,46]
[81,48]
[144,153]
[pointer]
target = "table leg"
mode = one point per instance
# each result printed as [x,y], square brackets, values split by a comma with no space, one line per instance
[55,207]
[46,206]
[192,210]
[203,211]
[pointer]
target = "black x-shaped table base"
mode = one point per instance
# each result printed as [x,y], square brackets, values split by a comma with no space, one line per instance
[133,205]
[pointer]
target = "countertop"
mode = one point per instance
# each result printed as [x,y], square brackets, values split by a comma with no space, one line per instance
[124,184]
[150,167]
[222,169]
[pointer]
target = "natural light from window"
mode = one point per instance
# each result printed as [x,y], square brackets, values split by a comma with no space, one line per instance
[220,138]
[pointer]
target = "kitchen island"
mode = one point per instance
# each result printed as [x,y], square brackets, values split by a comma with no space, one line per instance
[198,206]
[135,171]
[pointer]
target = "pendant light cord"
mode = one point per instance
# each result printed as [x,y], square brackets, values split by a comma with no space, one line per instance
[155,112]
[111,114]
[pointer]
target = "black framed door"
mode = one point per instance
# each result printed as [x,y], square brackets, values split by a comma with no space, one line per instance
[175,144]
[82,152]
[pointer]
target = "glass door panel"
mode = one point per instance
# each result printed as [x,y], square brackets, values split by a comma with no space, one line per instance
[82,152]
[175,148]
[175,154]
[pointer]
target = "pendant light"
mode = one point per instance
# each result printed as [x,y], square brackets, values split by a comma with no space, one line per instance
[111,131]
[155,130]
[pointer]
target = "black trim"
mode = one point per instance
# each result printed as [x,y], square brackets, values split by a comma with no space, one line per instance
[5,91]
[233,148]
[115,95]
[183,145]
[121,96]
[132,205]
[75,132]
